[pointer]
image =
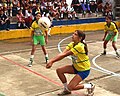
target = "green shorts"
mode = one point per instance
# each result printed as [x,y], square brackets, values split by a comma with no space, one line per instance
[109,37]
[39,39]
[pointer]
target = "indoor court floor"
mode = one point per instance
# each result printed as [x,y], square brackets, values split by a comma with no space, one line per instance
[17,79]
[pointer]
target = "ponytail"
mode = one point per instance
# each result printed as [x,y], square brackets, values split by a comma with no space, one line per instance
[81,34]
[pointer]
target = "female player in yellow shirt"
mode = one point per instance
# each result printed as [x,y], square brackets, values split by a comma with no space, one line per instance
[80,67]
[38,38]
[111,33]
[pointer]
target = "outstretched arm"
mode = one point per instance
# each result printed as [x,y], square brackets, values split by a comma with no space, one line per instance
[60,56]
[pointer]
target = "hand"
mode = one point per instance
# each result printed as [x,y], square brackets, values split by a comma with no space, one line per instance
[49,64]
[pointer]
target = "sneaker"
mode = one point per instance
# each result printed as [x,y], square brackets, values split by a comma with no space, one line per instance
[46,59]
[65,92]
[30,63]
[104,53]
[90,91]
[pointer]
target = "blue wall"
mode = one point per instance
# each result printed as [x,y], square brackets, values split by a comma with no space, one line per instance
[69,22]
[78,21]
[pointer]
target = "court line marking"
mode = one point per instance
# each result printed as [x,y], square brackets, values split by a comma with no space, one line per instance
[50,80]
[98,68]
[30,70]
[34,72]
[26,50]
[103,69]
[59,48]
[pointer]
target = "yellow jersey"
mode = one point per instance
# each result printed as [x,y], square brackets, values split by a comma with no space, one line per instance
[37,30]
[79,58]
[111,28]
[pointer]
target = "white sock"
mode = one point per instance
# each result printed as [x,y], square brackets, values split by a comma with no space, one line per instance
[116,51]
[24,24]
[104,49]
[32,56]
[65,86]
[67,89]
[87,86]
[61,15]
[68,15]
[46,55]
[75,15]
[19,24]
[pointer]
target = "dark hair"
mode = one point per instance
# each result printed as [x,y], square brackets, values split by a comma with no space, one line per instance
[110,17]
[82,34]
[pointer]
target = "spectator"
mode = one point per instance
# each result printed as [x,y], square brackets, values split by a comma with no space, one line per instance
[107,9]
[4,21]
[64,11]
[93,7]
[42,5]
[9,6]
[28,17]
[36,9]
[5,9]
[100,5]
[85,8]
[54,12]
[72,13]
[16,7]
[77,6]
[21,21]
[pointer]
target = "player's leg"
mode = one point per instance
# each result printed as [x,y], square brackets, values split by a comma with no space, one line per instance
[42,43]
[76,85]
[45,53]
[61,74]
[34,45]
[114,45]
[105,44]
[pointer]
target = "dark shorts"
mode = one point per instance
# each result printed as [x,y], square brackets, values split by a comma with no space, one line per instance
[82,74]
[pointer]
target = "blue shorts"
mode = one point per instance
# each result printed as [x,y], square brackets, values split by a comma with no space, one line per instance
[82,74]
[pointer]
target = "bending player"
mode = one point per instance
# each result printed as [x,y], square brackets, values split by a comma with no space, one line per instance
[81,65]
[111,33]
[38,38]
